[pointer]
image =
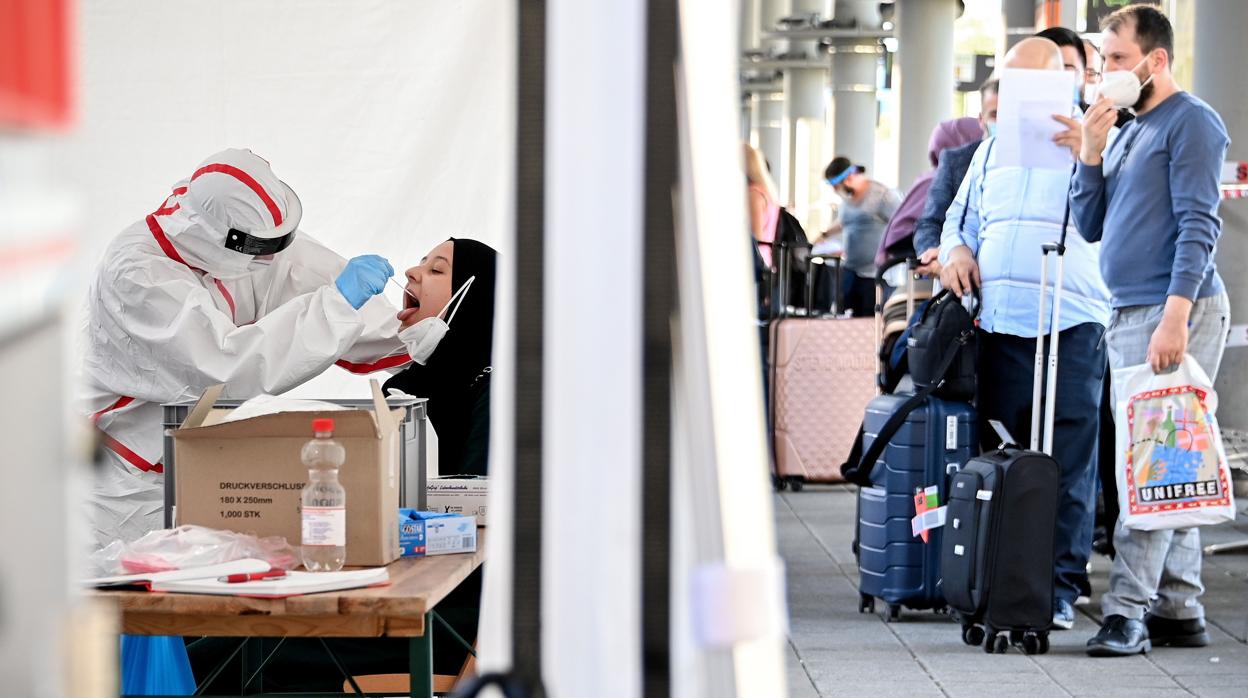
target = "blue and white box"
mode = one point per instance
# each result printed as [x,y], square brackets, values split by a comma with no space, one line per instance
[424,533]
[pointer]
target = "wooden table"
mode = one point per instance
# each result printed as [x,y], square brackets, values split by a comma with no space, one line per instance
[401,609]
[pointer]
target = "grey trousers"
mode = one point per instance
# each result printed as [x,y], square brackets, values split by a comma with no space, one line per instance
[1159,571]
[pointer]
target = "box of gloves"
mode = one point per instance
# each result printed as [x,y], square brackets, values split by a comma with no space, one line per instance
[465,495]
[435,533]
[241,470]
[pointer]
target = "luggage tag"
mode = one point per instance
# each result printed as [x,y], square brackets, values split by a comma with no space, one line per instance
[928,512]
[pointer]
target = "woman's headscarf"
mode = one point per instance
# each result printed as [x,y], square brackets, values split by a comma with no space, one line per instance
[464,353]
[947,134]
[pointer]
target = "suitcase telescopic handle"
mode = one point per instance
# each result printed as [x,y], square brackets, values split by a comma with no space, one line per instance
[1058,249]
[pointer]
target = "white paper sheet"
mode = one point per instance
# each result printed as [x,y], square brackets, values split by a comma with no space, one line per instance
[1025,124]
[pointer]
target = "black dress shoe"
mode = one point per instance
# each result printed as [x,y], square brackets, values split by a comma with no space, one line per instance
[1120,637]
[1170,632]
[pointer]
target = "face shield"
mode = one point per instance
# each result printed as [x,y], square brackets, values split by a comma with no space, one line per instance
[258,243]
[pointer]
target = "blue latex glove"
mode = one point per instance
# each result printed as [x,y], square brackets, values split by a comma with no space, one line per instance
[363,278]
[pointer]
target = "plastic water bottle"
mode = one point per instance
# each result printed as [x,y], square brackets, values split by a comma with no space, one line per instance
[324,501]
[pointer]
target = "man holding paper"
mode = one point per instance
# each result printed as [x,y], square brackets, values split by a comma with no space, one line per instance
[1013,201]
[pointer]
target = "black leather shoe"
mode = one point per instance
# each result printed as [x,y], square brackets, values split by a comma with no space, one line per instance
[1169,632]
[1120,637]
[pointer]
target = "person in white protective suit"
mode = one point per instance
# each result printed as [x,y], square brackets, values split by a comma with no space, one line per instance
[218,285]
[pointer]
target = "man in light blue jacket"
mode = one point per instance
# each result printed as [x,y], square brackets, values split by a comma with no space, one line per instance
[992,240]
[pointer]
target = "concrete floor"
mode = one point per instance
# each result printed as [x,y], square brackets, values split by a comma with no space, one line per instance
[835,651]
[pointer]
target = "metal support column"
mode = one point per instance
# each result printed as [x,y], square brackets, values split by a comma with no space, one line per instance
[767,126]
[925,79]
[804,119]
[748,41]
[854,66]
[1219,24]
[1020,21]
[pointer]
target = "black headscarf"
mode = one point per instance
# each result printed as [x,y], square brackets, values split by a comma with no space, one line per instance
[463,355]
[464,352]
[456,379]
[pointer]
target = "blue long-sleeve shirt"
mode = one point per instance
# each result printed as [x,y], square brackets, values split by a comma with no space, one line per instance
[950,171]
[1153,203]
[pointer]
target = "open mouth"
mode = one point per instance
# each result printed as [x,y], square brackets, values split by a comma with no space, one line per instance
[410,301]
[411,305]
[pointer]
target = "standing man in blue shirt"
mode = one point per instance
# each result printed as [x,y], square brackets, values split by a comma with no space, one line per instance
[992,240]
[1152,200]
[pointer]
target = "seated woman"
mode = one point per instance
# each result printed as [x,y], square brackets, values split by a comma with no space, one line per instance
[455,284]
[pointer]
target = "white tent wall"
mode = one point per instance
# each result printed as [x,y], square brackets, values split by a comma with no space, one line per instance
[592,363]
[727,588]
[392,120]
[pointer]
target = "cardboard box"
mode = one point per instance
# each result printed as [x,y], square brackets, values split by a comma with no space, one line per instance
[247,475]
[465,495]
[435,533]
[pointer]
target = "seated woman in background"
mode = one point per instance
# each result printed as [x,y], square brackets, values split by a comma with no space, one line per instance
[453,283]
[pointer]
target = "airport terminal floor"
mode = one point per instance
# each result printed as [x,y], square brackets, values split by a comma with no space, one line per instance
[914,656]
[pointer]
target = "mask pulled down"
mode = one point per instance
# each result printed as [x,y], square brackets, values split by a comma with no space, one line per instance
[422,338]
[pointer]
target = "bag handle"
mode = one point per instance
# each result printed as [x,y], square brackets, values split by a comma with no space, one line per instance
[944,293]
[857,474]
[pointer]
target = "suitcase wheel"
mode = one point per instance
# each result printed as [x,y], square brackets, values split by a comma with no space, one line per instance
[796,483]
[866,603]
[995,643]
[779,483]
[972,635]
[894,612]
[1033,642]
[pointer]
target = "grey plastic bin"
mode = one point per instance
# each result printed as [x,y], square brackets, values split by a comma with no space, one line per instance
[412,463]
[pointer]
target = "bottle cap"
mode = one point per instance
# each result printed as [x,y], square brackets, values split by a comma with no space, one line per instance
[322,425]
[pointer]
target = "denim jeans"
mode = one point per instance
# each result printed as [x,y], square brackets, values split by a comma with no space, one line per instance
[1159,571]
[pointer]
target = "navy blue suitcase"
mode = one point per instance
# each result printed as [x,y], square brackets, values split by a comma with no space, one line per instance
[933,442]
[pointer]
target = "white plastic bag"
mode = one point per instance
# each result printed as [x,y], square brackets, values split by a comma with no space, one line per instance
[189,546]
[1171,469]
[272,404]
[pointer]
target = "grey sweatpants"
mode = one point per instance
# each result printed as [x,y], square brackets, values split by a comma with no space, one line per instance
[1159,571]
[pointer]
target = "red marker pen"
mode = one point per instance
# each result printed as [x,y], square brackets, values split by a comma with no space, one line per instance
[253,577]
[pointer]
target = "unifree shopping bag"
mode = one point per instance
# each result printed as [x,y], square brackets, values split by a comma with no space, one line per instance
[1172,470]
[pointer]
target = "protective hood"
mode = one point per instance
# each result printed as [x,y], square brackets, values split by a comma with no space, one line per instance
[231,210]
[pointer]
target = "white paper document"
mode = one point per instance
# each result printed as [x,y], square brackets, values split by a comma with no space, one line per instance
[148,579]
[1028,99]
[293,584]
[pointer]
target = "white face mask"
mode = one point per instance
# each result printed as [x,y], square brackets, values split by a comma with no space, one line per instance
[1122,87]
[423,337]
[1090,93]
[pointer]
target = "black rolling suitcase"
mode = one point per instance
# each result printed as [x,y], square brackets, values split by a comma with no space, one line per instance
[997,553]
[997,548]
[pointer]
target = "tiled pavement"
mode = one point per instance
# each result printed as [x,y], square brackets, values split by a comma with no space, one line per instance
[835,651]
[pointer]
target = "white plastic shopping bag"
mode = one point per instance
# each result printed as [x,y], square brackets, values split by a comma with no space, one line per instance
[1171,470]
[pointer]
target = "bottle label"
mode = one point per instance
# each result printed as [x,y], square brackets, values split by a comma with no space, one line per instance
[325,526]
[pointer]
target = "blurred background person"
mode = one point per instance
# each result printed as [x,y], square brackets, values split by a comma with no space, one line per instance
[868,206]
[950,171]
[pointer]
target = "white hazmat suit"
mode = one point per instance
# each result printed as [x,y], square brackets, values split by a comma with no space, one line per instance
[174,309]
